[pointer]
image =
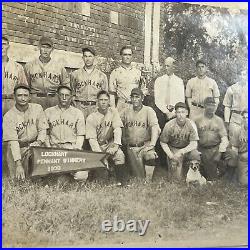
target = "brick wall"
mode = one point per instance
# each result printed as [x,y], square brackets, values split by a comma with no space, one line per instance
[105,26]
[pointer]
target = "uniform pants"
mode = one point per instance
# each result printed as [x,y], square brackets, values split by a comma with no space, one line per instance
[45,102]
[209,167]
[243,168]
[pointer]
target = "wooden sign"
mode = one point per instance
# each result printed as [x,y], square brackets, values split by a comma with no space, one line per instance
[57,160]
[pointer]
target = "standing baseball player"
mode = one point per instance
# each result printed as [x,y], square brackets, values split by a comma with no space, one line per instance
[200,87]
[87,82]
[123,79]
[24,125]
[213,139]
[178,138]
[12,74]
[140,133]
[235,101]
[104,131]
[45,74]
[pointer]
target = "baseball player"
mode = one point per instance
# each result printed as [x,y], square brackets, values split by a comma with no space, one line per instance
[123,79]
[213,139]
[45,74]
[24,125]
[12,74]
[140,133]
[235,101]
[199,88]
[87,82]
[103,129]
[178,138]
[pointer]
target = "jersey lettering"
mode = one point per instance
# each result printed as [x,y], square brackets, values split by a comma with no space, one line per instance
[59,122]
[24,124]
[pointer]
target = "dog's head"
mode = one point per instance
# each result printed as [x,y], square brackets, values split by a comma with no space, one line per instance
[194,165]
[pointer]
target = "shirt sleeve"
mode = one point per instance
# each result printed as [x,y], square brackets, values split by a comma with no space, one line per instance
[193,132]
[73,82]
[21,75]
[228,99]
[65,78]
[90,128]
[9,128]
[112,83]
[222,128]
[80,126]
[42,125]
[152,118]
[189,89]
[165,133]
[105,82]
[216,91]
[117,122]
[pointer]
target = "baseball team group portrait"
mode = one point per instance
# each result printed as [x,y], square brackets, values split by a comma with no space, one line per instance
[124,124]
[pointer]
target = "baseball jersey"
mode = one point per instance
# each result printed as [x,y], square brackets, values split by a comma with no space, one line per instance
[25,126]
[12,74]
[241,142]
[101,127]
[64,124]
[168,90]
[210,131]
[138,124]
[45,78]
[86,85]
[198,89]
[123,80]
[179,136]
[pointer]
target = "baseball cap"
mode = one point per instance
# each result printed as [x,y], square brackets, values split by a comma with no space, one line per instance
[46,41]
[64,87]
[209,100]
[180,105]
[200,61]
[91,50]
[194,155]
[136,91]
[21,86]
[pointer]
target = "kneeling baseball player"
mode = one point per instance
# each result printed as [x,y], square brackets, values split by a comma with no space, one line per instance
[140,133]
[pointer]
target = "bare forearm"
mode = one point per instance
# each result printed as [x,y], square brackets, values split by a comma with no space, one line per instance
[94,145]
[15,150]
[117,136]
[191,146]
[227,112]
[166,149]
[155,131]
[223,145]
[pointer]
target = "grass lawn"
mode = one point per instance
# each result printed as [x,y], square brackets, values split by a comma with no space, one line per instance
[38,215]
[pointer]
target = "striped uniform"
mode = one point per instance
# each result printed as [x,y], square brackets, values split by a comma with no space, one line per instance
[85,86]
[44,80]
[12,74]
[198,89]
[24,128]
[64,126]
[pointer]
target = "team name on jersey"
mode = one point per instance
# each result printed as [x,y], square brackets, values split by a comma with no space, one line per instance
[11,76]
[59,122]
[104,124]
[180,136]
[130,124]
[23,125]
[204,128]
[40,75]
[88,83]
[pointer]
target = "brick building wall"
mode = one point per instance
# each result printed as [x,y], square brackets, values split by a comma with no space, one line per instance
[105,26]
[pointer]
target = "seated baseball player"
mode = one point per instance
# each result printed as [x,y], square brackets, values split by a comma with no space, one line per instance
[140,133]
[24,125]
[178,138]
[103,130]
[213,139]
[66,123]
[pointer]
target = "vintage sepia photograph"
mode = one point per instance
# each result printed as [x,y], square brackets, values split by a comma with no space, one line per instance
[124,124]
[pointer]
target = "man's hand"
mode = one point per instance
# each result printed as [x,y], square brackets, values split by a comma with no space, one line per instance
[178,154]
[112,148]
[20,175]
[81,175]
[36,143]
[217,158]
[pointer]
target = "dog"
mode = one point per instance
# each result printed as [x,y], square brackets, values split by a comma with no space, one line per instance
[194,176]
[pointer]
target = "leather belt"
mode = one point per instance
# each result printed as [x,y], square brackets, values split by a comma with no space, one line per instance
[90,103]
[25,144]
[136,145]
[236,112]
[7,96]
[43,94]
[209,147]
[197,105]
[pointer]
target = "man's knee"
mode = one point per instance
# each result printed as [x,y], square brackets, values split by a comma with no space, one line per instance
[119,157]
[149,157]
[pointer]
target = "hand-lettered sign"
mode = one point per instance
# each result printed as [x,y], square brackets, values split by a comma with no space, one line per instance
[57,160]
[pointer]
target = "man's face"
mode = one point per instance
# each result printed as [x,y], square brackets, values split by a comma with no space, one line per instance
[136,100]
[45,50]
[5,47]
[243,77]
[64,97]
[127,56]
[103,102]
[169,68]
[88,58]
[22,97]
[210,108]
[201,70]
[181,114]
[245,119]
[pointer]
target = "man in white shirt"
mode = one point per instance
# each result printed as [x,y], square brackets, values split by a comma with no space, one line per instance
[168,90]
